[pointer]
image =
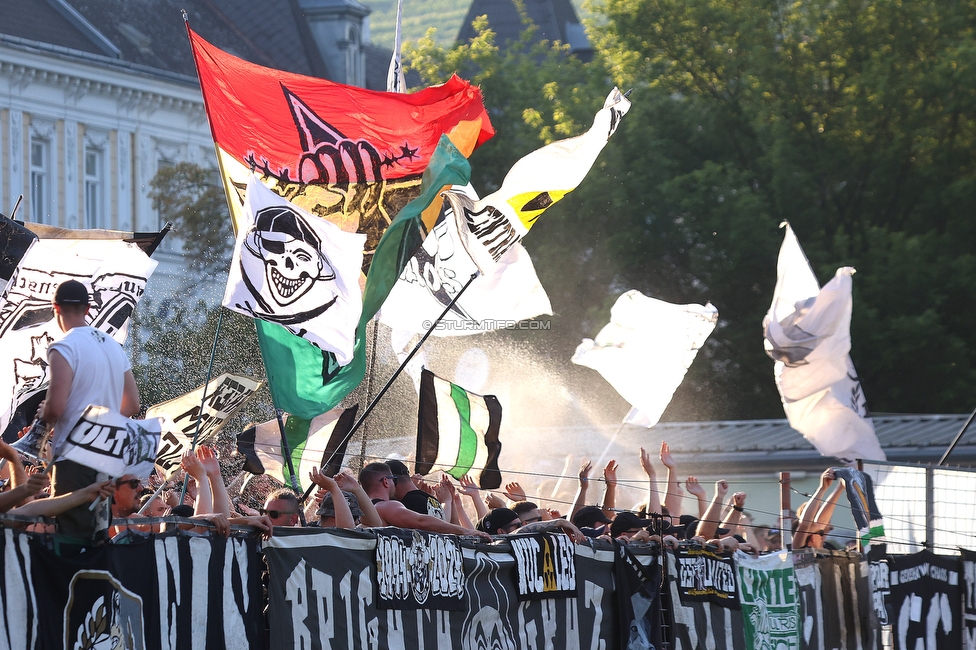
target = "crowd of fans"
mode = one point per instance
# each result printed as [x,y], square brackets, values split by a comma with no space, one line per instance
[87,367]
[387,494]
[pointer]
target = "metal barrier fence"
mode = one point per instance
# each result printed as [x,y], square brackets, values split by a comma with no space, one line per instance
[925,507]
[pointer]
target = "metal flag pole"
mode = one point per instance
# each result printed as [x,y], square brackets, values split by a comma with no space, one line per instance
[386,386]
[369,385]
[955,442]
[203,400]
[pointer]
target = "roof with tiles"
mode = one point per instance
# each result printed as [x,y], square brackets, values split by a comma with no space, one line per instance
[151,34]
[758,445]
[556,20]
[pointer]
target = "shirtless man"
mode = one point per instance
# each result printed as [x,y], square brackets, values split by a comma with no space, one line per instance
[378,481]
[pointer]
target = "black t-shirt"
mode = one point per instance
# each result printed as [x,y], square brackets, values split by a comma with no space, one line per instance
[420,501]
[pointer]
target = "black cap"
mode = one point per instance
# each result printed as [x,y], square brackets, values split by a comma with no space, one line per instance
[71,292]
[397,468]
[494,521]
[589,516]
[624,521]
[181,510]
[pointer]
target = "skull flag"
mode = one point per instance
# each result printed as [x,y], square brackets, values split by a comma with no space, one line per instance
[297,270]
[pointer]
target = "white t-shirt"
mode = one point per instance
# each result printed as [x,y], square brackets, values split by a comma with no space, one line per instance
[99,365]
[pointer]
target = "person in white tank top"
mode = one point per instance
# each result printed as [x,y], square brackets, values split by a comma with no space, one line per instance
[85,367]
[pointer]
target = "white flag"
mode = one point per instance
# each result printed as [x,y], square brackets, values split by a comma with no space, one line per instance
[115,274]
[184,418]
[297,270]
[646,349]
[807,332]
[491,226]
[394,77]
[112,443]
[509,293]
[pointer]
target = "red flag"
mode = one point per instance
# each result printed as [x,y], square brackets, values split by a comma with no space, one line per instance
[350,155]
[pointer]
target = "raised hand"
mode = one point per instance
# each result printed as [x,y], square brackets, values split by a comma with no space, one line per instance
[696,488]
[610,473]
[37,483]
[444,489]
[584,473]
[827,477]
[646,464]
[192,466]
[469,487]
[739,499]
[666,458]
[103,490]
[421,484]
[346,481]
[721,488]
[494,501]
[514,492]
[319,496]
[321,480]
[208,459]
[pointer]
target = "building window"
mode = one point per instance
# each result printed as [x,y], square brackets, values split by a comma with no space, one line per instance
[40,180]
[94,188]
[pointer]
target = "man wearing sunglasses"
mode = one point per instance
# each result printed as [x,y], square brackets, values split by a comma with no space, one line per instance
[282,508]
[379,482]
[126,501]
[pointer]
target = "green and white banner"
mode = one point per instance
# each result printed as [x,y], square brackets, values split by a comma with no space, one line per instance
[770,606]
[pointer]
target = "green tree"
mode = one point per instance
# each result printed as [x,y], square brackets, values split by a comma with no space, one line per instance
[535,92]
[192,198]
[856,123]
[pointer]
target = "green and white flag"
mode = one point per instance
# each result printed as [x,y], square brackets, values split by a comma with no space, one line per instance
[769,598]
[457,431]
[319,442]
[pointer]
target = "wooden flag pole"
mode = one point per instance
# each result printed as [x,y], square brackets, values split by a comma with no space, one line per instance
[386,386]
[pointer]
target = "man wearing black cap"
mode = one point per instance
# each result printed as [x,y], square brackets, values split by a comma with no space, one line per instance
[627,526]
[86,367]
[500,521]
[591,520]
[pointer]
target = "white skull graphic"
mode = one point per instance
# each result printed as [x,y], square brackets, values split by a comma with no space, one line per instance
[285,262]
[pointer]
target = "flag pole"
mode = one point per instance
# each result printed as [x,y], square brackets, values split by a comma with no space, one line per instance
[369,386]
[203,400]
[955,442]
[403,365]
[286,452]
